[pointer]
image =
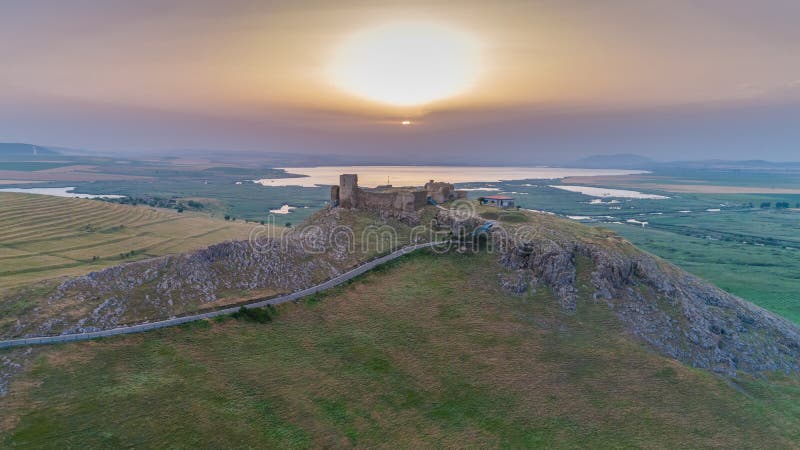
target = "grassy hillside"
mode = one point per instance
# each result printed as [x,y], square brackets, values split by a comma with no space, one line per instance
[426,352]
[43,237]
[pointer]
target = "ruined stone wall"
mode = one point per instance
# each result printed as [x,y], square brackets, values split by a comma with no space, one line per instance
[443,192]
[335,195]
[406,201]
[420,199]
[379,200]
[349,195]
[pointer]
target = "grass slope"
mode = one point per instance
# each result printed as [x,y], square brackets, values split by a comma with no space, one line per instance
[425,352]
[44,237]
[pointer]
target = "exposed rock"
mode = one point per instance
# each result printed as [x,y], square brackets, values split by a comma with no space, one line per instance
[676,313]
[11,363]
[150,289]
[460,227]
[517,282]
[164,287]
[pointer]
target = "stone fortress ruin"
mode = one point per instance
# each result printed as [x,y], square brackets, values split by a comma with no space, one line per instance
[389,198]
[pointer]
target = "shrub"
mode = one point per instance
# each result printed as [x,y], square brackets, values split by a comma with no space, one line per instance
[258,315]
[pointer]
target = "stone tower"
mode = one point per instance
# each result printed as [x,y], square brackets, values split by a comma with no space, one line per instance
[348,191]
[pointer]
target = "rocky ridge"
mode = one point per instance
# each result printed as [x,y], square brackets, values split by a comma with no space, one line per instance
[676,313]
[164,287]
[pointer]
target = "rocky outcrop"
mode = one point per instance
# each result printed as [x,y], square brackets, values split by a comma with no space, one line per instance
[163,287]
[169,286]
[676,313]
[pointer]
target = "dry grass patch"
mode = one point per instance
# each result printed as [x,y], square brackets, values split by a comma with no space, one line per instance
[44,237]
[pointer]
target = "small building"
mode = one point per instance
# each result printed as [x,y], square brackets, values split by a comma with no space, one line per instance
[499,201]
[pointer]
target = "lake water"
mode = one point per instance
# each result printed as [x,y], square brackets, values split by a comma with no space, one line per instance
[58,192]
[371,176]
[604,192]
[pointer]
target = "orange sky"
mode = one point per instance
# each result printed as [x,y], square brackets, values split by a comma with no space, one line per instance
[267,60]
[247,57]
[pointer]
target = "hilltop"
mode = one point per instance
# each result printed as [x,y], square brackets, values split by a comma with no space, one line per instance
[14,150]
[542,332]
[675,313]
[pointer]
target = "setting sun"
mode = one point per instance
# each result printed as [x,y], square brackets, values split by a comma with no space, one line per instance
[406,64]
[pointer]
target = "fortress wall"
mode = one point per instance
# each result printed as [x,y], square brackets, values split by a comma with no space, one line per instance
[440,192]
[334,195]
[349,195]
[377,200]
[410,201]
[420,199]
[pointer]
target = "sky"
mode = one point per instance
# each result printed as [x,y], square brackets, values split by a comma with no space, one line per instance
[519,81]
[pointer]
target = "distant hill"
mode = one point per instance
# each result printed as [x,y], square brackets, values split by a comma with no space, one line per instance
[16,150]
[615,161]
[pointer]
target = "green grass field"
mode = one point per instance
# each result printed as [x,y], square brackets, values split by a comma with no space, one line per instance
[245,201]
[43,237]
[428,352]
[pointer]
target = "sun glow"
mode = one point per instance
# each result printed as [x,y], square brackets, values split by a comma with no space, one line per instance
[406,64]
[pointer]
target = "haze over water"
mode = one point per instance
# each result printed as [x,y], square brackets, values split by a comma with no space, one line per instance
[371,176]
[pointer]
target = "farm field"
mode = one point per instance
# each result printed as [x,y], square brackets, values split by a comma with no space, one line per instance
[44,237]
[422,353]
[224,196]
